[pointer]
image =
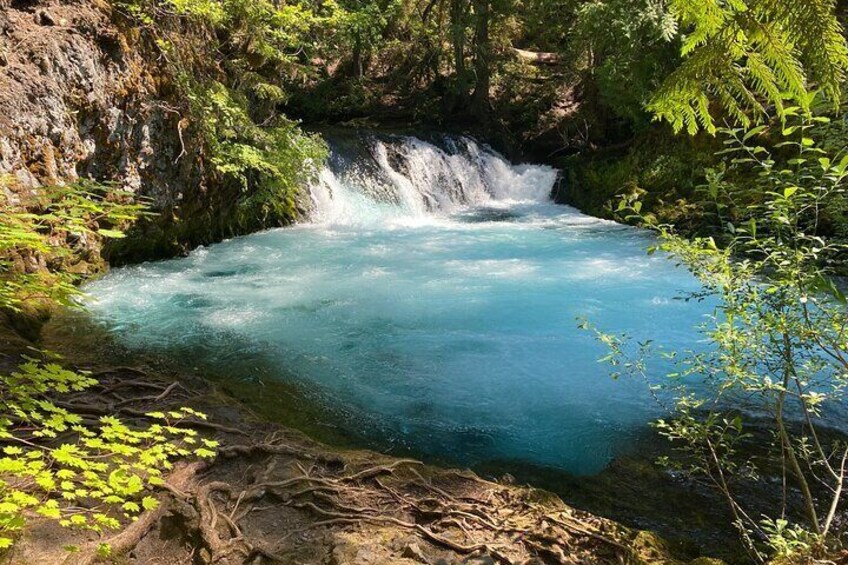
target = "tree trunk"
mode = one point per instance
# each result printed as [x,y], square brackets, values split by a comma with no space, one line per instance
[786,439]
[358,67]
[457,15]
[482,56]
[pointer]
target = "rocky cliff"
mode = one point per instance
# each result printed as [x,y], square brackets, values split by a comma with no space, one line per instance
[85,93]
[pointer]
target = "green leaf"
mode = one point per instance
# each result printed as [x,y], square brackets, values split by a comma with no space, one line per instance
[149,503]
[54,513]
[843,164]
[754,132]
[78,520]
[111,234]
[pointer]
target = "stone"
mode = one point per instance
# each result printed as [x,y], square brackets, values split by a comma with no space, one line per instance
[413,551]
[481,560]
[43,17]
[367,556]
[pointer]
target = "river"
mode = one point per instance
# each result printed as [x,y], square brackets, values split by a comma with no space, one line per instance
[429,306]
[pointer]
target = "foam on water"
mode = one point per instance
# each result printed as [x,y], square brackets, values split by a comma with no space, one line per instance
[429,305]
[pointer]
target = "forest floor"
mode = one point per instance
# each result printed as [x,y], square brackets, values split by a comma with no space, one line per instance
[272,495]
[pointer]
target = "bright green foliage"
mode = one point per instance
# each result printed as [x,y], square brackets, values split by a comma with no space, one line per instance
[51,230]
[270,163]
[684,61]
[750,56]
[778,340]
[211,10]
[56,465]
[362,24]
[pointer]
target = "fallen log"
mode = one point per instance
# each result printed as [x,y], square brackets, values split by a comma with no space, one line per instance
[537,57]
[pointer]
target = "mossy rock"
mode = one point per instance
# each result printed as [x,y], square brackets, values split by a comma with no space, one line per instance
[707,561]
[652,549]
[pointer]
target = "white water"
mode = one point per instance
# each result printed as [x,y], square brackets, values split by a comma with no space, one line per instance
[429,306]
[432,183]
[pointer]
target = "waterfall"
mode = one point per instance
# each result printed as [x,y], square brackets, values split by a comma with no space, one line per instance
[383,178]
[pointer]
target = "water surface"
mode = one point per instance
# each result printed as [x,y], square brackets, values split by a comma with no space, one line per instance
[429,307]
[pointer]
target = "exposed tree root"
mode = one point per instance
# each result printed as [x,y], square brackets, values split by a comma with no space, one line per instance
[248,450]
[120,370]
[129,537]
[581,530]
[111,409]
[151,398]
[361,498]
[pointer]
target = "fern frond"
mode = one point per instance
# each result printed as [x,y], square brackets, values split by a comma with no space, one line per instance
[748,55]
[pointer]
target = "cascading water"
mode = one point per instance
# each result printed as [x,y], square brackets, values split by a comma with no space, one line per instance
[407,179]
[428,307]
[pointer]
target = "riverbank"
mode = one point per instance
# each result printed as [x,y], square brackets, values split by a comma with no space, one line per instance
[274,495]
